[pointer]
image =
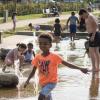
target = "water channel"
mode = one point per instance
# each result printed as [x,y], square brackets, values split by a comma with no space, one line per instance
[72,85]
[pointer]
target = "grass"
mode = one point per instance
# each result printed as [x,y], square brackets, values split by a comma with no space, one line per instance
[30,16]
[24,17]
[34,16]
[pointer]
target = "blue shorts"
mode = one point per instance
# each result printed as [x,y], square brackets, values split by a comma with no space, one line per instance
[46,90]
[73,28]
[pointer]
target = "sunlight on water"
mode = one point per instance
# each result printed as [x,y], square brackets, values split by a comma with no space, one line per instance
[72,84]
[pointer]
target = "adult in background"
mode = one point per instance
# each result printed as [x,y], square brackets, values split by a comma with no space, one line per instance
[94,38]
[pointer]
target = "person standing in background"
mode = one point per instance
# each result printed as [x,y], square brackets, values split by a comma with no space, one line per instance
[94,38]
[57,29]
[14,20]
[73,27]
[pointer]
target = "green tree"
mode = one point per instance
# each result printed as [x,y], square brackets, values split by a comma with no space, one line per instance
[89,1]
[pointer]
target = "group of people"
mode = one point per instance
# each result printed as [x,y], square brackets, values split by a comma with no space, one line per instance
[24,53]
[71,24]
[53,10]
[47,62]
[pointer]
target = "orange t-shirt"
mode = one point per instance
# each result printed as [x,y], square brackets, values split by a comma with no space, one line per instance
[47,67]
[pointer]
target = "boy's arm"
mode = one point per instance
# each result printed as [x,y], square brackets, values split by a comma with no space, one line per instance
[84,70]
[67,22]
[30,76]
[52,29]
[61,28]
[34,53]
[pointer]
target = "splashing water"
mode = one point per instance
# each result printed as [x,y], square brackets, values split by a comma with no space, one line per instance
[17,71]
[70,81]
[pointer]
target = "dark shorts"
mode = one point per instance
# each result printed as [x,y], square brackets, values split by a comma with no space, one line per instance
[96,42]
[57,34]
[73,28]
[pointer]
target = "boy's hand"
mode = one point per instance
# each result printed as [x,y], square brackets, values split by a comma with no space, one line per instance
[84,70]
[26,83]
[92,38]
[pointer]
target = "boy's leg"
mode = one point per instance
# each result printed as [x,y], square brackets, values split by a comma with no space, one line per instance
[41,97]
[74,32]
[4,68]
[49,97]
[71,37]
[74,35]
[45,93]
[7,62]
[14,25]
[71,32]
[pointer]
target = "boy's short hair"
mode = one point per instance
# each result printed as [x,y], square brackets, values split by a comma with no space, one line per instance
[72,13]
[57,20]
[46,36]
[82,11]
[30,44]
[30,24]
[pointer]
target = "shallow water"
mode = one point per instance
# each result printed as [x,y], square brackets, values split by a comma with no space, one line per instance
[72,85]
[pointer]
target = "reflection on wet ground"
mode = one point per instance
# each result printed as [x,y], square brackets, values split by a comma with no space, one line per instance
[94,87]
[72,85]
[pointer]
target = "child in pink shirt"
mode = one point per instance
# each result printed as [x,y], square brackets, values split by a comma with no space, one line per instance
[47,64]
[14,54]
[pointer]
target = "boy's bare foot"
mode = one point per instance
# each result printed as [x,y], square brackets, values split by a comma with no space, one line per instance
[5,71]
[20,69]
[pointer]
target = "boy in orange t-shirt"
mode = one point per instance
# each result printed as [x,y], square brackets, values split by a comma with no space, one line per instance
[47,64]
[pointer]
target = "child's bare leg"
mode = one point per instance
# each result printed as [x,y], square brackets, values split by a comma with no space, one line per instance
[74,35]
[14,25]
[71,37]
[49,97]
[41,97]
[4,68]
[21,62]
